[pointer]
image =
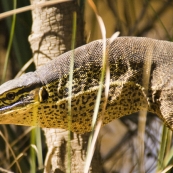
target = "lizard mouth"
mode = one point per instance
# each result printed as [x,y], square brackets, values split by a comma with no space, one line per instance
[22,102]
[15,105]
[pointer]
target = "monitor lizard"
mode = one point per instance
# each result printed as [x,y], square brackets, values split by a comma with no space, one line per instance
[40,98]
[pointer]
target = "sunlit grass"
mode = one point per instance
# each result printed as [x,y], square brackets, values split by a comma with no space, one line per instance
[12,152]
[93,138]
[73,42]
[30,7]
[165,152]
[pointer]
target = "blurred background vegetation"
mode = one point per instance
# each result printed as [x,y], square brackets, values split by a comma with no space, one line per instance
[142,18]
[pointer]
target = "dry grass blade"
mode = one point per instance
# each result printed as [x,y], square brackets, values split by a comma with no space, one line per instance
[160,21]
[22,70]
[91,143]
[105,72]
[70,88]
[31,7]
[143,114]
[5,171]
[15,158]
[99,124]
[23,135]
[166,169]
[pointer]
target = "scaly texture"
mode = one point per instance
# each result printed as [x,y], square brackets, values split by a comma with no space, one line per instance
[51,36]
[41,97]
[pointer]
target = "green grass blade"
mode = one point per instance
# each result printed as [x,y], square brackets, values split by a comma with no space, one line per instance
[161,155]
[39,147]
[10,43]
[70,88]
[32,152]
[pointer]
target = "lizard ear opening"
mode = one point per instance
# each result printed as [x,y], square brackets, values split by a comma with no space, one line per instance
[43,94]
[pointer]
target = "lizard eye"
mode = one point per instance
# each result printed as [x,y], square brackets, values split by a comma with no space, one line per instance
[10,96]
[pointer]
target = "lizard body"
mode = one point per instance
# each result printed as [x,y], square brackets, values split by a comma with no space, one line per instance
[41,97]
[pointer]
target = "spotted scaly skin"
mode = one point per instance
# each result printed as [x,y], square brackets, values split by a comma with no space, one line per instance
[40,98]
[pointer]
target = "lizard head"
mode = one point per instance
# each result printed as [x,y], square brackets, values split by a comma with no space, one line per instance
[18,97]
[28,102]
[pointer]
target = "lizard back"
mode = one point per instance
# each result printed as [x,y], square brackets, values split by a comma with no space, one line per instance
[140,79]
